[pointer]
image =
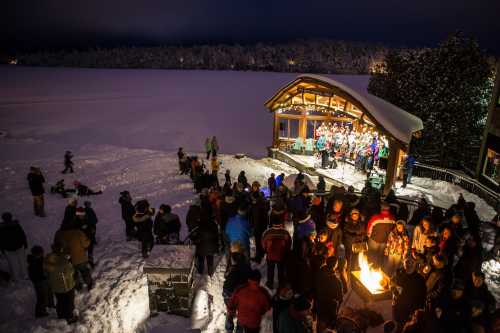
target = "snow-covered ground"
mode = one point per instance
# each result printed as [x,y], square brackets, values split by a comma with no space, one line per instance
[123,127]
[438,193]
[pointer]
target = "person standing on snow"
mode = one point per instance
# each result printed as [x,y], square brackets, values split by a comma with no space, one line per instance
[215,146]
[128,212]
[166,226]
[143,220]
[207,245]
[276,242]
[76,244]
[215,166]
[61,281]
[271,184]
[258,217]
[39,278]
[238,230]
[248,304]
[408,165]
[208,147]
[87,222]
[378,229]
[68,163]
[13,244]
[35,181]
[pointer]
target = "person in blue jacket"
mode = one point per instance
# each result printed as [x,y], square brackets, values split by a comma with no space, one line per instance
[238,229]
[408,165]
[279,179]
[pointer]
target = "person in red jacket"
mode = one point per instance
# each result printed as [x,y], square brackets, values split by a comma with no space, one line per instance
[249,303]
[378,229]
[276,242]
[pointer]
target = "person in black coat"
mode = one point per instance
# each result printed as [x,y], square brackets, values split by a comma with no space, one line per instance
[44,296]
[70,211]
[409,292]
[207,245]
[456,311]
[271,184]
[68,163]
[258,218]
[354,232]
[237,275]
[328,294]
[87,222]
[470,261]
[144,222]
[166,226]
[480,300]
[128,212]
[13,244]
[35,181]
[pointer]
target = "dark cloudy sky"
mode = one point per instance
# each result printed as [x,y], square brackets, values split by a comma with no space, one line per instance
[86,23]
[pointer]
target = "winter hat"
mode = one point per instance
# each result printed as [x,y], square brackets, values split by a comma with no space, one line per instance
[276,220]
[256,184]
[279,206]
[355,210]
[301,303]
[80,211]
[331,262]
[87,204]
[7,216]
[389,326]
[242,208]
[37,250]
[125,193]
[403,222]
[255,275]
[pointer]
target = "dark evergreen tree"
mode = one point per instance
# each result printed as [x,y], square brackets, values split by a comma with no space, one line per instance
[448,87]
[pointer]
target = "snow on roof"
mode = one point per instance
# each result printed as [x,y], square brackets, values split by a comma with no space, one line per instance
[399,123]
[170,256]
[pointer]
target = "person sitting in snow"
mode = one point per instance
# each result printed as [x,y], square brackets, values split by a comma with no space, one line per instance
[68,163]
[83,190]
[59,188]
[166,226]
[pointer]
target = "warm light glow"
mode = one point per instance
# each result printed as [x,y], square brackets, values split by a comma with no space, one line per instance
[372,279]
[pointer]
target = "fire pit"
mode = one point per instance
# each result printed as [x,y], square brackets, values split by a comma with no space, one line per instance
[370,284]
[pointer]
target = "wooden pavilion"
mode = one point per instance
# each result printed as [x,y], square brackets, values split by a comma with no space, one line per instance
[301,106]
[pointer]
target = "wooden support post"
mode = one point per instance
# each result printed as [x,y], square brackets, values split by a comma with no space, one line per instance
[392,164]
[276,130]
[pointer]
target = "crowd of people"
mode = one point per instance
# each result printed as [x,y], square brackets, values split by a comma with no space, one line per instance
[365,147]
[433,256]
[312,240]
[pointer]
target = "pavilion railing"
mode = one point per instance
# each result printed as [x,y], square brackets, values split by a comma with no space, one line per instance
[459,179]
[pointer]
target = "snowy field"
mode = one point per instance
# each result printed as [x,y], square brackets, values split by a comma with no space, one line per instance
[123,127]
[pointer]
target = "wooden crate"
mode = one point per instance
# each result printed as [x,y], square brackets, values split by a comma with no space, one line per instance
[170,273]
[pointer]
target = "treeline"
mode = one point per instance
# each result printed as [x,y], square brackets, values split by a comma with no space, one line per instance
[317,56]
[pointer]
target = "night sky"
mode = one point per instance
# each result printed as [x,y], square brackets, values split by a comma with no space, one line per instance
[33,24]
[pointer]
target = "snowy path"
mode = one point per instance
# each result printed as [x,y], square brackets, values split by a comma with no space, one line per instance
[119,301]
